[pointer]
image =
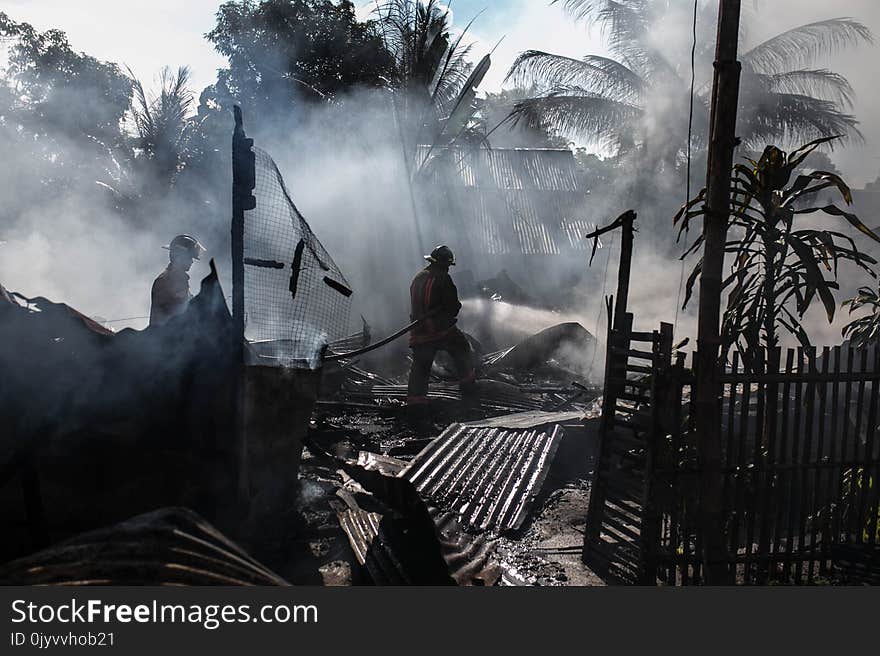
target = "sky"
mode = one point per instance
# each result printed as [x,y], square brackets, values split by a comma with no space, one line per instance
[170,32]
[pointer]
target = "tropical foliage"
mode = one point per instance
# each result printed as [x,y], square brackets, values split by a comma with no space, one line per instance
[282,52]
[638,96]
[865,330]
[433,73]
[492,113]
[60,110]
[778,267]
[163,123]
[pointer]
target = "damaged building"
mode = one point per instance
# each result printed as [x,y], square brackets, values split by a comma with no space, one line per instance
[522,210]
[254,432]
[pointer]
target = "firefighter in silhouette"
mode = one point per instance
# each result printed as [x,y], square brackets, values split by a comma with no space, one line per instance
[170,294]
[433,295]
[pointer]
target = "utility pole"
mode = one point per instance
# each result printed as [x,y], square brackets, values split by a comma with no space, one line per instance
[722,142]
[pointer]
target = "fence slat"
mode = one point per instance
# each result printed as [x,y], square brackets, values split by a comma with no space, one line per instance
[730,479]
[805,458]
[853,529]
[751,513]
[742,433]
[768,455]
[839,421]
[792,472]
[873,525]
[815,491]
[866,479]
[780,458]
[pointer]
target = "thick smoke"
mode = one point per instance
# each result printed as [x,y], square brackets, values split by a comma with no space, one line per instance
[344,165]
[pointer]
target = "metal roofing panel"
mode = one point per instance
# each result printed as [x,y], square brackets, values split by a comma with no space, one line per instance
[574,231]
[531,419]
[506,168]
[169,546]
[468,557]
[488,476]
[527,201]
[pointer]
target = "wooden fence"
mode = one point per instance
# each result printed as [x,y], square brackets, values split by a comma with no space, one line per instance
[620,531]
[800,461]
[800,468]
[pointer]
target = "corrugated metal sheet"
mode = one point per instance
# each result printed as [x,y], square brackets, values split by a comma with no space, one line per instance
[467,556]
[532,419]
[488,476]
[170,546]
[507,201]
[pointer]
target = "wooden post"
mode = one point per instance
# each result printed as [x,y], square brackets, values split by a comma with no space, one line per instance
[663,399]
[625,222]
[624,270]
[243,183]
[722,142]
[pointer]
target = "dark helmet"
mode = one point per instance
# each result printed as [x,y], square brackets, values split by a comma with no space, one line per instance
[188,244]
[441,255]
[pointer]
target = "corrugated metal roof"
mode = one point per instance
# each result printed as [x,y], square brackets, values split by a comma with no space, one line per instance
[488,476]
[467,556]
[507,201]
[170,546]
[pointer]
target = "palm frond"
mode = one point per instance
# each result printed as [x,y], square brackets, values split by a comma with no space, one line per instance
[429,60]
[816,83]
[599,75]
[575,111]
[801,46]
[789,117]
[586,10]
[624,23]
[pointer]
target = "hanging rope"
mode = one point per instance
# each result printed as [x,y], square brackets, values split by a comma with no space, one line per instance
[690,135]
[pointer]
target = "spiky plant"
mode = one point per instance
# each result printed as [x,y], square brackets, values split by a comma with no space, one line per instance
[785,98]
[427,59]
[865,330]
[162,123]
[433,69]
[777,265]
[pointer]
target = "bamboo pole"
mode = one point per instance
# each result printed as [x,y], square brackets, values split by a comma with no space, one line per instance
[725,96]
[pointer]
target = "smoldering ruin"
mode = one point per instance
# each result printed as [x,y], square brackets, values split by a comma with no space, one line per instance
[565,394]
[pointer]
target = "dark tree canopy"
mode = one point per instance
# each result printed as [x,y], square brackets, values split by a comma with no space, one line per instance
[61,117]
[284,51]
[60,93]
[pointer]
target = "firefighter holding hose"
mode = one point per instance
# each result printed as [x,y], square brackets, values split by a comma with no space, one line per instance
[434,297]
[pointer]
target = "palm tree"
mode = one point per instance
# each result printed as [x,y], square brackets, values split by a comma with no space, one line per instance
[635,99]
[161,129]
[432,70]
[162,123]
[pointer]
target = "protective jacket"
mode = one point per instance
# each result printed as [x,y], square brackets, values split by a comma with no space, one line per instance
[433,290]
[169,296]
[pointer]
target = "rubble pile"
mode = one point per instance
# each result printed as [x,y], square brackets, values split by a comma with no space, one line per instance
[375,499]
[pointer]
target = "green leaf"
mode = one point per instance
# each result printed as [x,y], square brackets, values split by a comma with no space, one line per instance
[814,276]
[833,210]
[691,281]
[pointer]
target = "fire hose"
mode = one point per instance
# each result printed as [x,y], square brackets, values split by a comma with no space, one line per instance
[372,347]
